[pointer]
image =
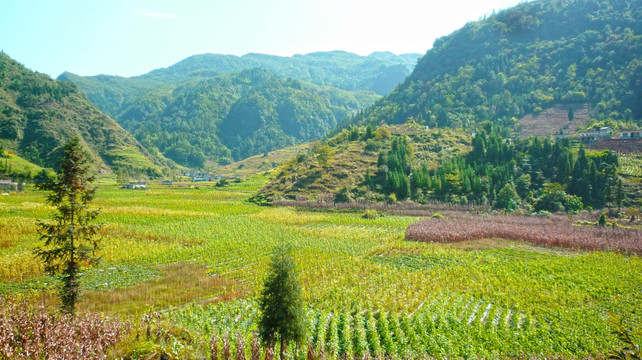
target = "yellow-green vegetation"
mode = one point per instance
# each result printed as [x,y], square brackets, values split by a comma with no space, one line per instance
[129,157]
[196,259]
[631,172]
[261,163]
[343,161]
[12,163]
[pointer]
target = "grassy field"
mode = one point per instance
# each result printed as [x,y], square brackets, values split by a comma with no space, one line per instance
[193,260]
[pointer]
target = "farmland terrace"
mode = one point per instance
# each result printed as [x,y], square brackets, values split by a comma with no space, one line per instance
[183,266]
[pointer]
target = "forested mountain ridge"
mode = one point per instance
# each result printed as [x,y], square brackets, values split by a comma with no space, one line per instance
[523,60]
[221,108]
[379,72]
[233,116]
[38,114]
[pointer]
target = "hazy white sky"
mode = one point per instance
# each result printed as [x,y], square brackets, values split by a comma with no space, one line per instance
[132,37]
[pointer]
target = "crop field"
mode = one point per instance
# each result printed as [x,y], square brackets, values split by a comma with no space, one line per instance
[188,263]
[555,230]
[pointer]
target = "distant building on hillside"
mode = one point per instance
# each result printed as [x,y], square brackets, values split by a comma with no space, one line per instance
[138,185]
[631,134]
[8,185]
[167,182]
[594,135]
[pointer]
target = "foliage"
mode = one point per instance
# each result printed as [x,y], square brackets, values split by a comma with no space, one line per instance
[602,220]
[71,240]
[519,61]
[439,165]
[37,116]
[507,198]
[547,169]
[282,316]
[372,214]
[554,199]
[630,349]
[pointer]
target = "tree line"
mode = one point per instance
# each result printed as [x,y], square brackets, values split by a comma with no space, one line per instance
[539,173]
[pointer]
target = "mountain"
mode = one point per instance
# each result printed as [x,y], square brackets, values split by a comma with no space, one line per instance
[234,116]
[38,114]
[379,72]
[563,54]
[221,108]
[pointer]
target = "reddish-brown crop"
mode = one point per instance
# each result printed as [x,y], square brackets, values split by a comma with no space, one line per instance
[555,231]
[34,333]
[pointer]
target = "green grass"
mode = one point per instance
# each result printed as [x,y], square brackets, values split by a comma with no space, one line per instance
[199,257]
[18,164]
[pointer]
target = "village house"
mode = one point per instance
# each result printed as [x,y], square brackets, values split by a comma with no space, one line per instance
[631,134]
[138,185]
[594,135]
[8,185]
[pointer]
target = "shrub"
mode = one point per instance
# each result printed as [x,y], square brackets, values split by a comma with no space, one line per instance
[344,196]
[507,198]
[371,214]
[391,199]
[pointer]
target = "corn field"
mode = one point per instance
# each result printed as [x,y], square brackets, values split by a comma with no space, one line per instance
[184,266]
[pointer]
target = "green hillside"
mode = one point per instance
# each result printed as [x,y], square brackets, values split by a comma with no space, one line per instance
[410,162]
[234,116]
[11,164]
[38,114]
[262,163]
[342,164]
[223,108]
[541,54]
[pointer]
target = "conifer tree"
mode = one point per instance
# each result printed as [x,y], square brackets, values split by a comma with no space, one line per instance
[70,240]
[282,316]
[619,195]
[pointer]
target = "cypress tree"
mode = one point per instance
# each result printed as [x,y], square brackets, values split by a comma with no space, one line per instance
[70,240]
[282,316]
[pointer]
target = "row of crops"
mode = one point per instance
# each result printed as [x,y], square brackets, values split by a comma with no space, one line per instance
[631,165]
[367,290]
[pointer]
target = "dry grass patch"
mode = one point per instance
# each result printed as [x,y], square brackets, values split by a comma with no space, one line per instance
[490,244]
[178,284]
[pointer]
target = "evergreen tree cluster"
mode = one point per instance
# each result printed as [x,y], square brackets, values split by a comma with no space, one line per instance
[394,168]
[549,175]
[502,172]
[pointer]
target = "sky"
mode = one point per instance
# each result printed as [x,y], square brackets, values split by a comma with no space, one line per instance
[132,37]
